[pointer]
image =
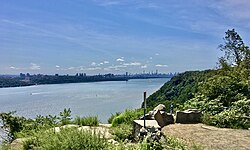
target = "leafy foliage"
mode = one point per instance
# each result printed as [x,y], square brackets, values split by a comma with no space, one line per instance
[65,116]
[235,49]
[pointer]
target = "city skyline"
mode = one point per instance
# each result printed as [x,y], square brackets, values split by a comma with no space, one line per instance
[108,36]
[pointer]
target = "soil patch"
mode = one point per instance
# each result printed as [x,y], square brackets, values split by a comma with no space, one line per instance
[211,138]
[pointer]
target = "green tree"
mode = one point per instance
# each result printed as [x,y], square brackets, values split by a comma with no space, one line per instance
[235,50]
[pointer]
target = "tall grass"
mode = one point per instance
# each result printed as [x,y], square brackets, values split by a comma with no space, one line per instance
[113,116]
[122,132]
[66,139]
[127,117]
[86,121]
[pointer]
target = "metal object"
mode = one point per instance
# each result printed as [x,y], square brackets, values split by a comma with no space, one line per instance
[145,109]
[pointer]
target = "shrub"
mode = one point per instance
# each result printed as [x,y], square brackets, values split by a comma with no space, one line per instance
[86,121]
[227,119]
[113,116]
[122,132]
[127,117]
[65,116]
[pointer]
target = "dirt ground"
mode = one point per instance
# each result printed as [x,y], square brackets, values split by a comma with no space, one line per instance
[211,138]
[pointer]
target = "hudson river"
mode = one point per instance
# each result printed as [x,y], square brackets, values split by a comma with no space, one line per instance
[84,99]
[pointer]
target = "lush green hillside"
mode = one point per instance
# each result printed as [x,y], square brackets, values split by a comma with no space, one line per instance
[223,95]
[180,88]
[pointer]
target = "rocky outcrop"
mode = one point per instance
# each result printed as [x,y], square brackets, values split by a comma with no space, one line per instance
[163,118]
[160,115]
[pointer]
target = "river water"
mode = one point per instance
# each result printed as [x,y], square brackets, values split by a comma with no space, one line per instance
[84,99]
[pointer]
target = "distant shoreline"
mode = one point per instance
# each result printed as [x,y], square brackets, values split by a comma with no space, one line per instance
[101,80]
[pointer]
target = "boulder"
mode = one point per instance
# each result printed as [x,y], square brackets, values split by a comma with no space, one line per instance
[103,131]
[17,144]
[160,107]
[188,116]
[163,118]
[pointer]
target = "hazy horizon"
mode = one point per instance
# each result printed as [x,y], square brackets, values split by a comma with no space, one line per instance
[116,36]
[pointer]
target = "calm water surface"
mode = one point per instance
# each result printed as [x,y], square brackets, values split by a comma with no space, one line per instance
[84,99]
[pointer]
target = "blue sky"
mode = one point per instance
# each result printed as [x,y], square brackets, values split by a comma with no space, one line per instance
[115,36]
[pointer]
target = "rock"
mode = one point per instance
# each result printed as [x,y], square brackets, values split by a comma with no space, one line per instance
[163,118]
[160,107]
[57,129]
[153,130]
[147,117]
[188,116]
[103,131]
[17,143]
[143,132]
[138,126]
[154,137]
[112,141]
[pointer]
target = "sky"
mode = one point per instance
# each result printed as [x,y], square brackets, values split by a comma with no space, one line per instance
[116,36]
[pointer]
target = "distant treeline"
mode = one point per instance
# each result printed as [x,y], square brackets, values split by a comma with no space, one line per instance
[27,79]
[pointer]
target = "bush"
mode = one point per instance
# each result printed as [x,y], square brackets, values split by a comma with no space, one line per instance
[86,121]
[122,132]
[113,116]
[127,117]
[227,119]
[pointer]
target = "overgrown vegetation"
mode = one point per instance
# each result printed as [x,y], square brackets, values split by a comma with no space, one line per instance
[17,127]
[86,121]
[122,123]
[66,139]
[223,95]
[127,117]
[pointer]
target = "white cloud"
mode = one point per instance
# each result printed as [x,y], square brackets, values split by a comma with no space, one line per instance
[94,68]
[132,64]
[159,65]
[115,67]
[156,54]
[239,9]
[106,62]
[34,66]
[93,64]
[144,66]
[57,66]
[12,67]
[101,63]
[120,59]
[150,58]
[71,68]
